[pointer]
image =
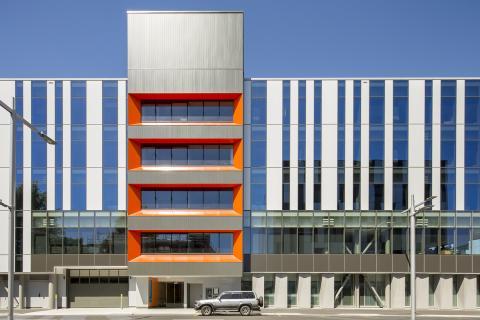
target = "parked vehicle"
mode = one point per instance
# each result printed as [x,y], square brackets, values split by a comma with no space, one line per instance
[240,301]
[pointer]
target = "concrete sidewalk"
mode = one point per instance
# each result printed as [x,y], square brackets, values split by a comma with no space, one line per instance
[361,313]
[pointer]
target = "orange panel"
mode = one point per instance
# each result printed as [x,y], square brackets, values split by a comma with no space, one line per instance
[135,152]
[186,258]
[134,246]
[134,199]
[238,110]
[238,155]
[134,110]
[134,102]
[134,155]
[238,245]
[192,212]
[238,199]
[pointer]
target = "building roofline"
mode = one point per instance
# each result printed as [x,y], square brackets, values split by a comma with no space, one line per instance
[364,78]
[63,79]
[186,11]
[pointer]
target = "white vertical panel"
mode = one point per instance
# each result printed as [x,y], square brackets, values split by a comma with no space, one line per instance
[416,139]
[247,102]
[66,175]
[7,92]
[51,148]
[388,174]
[329,144]
[349,145]
[460,146]
[274,146]
[293,145]
[27,147]
[94,145]
[364,144]
[122,102]
[309,144]
[436,117]
[274,102]
[122,144]
[274,188]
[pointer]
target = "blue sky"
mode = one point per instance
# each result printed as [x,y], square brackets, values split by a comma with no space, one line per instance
[283,38]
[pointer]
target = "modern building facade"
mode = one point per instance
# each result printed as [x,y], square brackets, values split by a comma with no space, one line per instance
[191,180]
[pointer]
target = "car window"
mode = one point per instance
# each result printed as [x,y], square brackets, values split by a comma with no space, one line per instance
[248,295]
[236,296]
[227,296]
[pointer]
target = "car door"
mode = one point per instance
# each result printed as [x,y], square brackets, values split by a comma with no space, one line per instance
[225,300]
[236,300]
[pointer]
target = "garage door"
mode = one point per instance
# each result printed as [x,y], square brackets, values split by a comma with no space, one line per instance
[98,289]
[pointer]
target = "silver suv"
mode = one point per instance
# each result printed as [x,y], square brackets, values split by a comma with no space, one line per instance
[241,301]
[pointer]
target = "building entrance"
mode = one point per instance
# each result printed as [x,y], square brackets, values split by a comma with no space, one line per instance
[165,294]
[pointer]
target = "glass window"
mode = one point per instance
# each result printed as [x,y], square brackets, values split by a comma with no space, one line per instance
[195,111]
[226,199]
[431,241]
[225,243]
[39,240]
[463,244]
[259,240]
[118,240]
[320,240]
[179,112]
[336,240]
[70,241]
[195,155]
[225,155]
[226,111]
[163,112]
[87,220]
[211,110]
[148,199]
[447,241]
[148,113]
[179,242]
[179,199]
[195,199]
[163,156]
[148,156]
[305,240]
[211,199]
[86,240]
[274,240]
[102,240]
[179,155]
[289,240]
[211,154]
[400,239]
[196,243]
[163,243]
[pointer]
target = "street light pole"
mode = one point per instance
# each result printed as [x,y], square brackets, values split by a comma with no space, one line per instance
[12,207]
[413,269]
[412,211]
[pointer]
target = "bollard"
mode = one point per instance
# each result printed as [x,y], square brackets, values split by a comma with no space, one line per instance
[121,301]
[56,300]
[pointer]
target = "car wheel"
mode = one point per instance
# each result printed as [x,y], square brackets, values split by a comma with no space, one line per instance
[206,310]
[245,310]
